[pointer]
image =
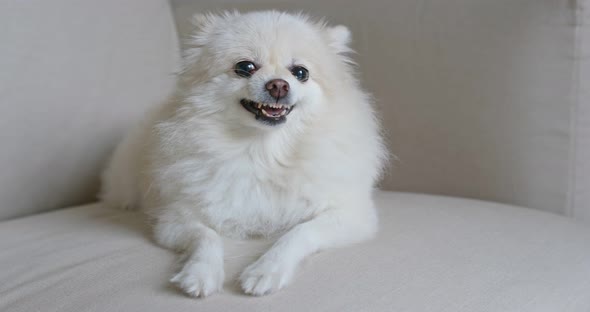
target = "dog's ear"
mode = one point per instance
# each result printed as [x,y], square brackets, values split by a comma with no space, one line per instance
[203,24]
[339,39]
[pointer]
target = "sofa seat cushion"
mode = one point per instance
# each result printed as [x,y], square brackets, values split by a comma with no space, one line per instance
[432,254]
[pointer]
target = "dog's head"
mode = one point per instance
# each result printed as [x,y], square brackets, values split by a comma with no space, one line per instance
[264,69]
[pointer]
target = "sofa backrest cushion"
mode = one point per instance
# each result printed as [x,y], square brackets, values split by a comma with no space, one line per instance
[74,75]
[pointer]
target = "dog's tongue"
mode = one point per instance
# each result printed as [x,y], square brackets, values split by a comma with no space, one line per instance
[273,111]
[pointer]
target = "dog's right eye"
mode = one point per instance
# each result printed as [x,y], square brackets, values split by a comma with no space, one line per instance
[245,69]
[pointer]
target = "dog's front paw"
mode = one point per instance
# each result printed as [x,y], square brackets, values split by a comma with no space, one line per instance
[265,277]
[199,279]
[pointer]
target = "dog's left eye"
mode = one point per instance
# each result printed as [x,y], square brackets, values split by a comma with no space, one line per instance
[300,72]
[245,69]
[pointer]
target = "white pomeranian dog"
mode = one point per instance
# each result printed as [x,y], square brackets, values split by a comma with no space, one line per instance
[268,134]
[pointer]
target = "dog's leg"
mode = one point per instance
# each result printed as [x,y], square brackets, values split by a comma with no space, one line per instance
[202,273]
[333,228]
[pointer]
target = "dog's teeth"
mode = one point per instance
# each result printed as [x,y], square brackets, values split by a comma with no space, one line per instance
[265,113]
[258,105]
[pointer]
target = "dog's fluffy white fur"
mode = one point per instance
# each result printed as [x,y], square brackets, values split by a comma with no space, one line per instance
[203,167]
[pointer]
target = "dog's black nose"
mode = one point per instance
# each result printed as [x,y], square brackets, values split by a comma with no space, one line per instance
[277,88]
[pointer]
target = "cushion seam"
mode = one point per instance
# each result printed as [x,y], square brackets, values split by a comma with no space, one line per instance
[574,107]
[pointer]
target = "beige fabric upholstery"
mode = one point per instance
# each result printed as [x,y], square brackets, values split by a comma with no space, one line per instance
[480,98]
[73,76]
[432,254]
[476,95]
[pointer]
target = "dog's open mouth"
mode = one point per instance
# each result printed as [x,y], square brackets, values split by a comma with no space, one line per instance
[269,113]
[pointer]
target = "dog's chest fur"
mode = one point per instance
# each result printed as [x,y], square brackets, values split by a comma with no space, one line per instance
[260,190]
[244,198]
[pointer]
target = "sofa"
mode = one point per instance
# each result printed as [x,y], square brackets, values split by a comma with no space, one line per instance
[486,206]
